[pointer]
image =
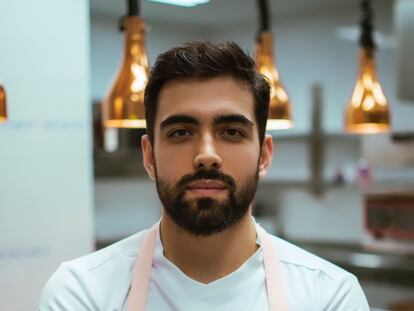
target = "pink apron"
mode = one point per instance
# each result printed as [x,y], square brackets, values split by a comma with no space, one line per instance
[137,299]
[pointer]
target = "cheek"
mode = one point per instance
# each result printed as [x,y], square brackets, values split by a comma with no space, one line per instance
[241,162]
[172,164]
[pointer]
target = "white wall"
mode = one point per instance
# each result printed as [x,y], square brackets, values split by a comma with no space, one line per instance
[45,149]
[404,14]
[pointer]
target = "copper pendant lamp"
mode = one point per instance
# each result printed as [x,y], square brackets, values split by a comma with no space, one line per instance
[368,110]
[280,116]
[124,105]
[3,105]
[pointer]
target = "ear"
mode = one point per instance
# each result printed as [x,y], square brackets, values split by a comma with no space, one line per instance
[147,155]
[266,156]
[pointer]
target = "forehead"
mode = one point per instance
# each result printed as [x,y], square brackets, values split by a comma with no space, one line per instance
[204,99]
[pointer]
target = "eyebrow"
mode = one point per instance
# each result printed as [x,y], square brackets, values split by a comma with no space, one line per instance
[179,118]
[232,118]
[218,120]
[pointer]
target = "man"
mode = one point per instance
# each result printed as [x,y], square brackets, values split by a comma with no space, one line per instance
[206,111]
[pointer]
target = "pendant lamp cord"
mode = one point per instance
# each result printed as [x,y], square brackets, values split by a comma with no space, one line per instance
[367,28]
[264,24]
[263,15]
[133,9]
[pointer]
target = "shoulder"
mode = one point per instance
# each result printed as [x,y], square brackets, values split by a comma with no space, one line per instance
[316,280]
[85,282]
[292,255]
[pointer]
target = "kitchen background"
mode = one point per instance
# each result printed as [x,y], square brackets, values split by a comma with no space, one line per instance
[63,194]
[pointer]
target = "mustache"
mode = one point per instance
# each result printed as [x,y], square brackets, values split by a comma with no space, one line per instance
[207,174]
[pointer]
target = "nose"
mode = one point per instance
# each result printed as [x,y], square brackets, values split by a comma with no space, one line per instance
[207,157]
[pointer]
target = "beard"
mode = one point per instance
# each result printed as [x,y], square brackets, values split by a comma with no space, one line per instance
[206,216]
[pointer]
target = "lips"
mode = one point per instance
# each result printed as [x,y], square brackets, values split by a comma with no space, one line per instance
[206,188]
[206,185]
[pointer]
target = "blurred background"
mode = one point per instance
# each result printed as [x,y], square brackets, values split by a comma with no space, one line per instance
[68,186]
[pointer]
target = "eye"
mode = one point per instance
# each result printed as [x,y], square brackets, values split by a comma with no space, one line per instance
[179,133]
[233,133]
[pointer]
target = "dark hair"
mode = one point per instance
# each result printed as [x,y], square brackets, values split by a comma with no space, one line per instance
[207,60]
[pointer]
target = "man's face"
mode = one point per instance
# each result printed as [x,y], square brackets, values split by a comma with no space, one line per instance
[206,157]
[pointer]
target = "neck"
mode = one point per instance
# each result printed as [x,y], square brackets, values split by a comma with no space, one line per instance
[206,259]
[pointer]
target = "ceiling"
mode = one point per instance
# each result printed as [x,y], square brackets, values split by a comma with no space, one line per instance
[222,12]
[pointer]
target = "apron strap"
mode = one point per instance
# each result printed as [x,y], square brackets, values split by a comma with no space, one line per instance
[141,275]
[276,291]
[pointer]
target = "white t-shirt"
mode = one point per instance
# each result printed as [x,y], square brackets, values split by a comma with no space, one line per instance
[101,281]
